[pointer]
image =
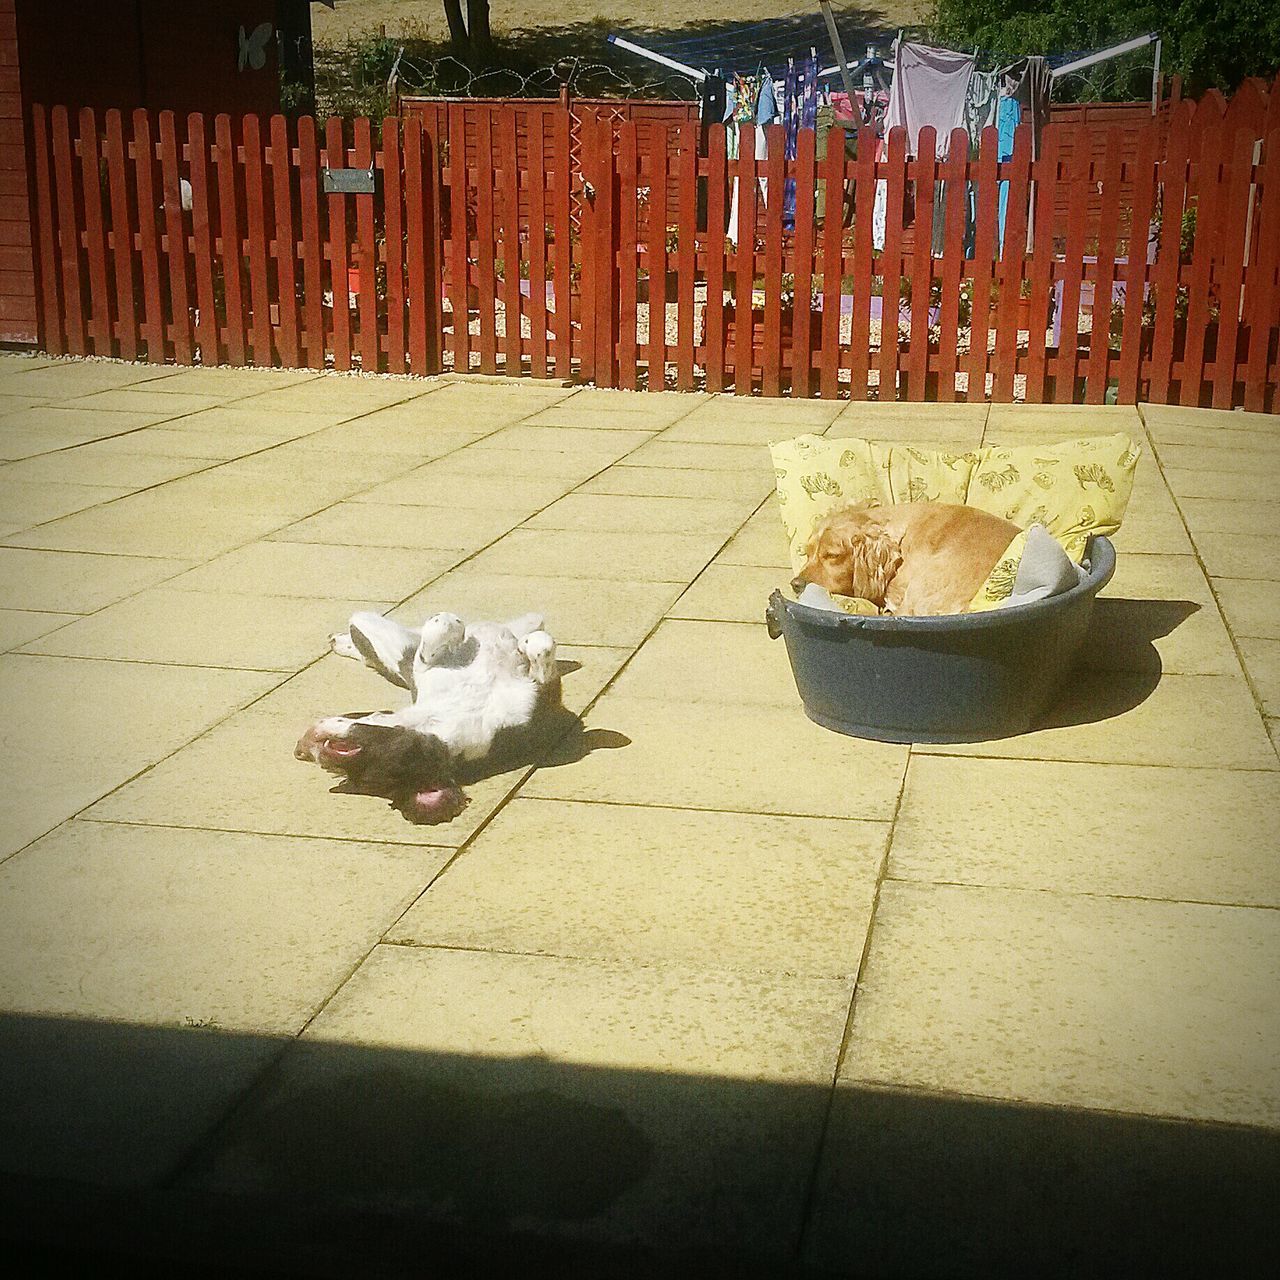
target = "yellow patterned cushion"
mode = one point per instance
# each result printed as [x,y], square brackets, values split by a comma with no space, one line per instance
[1075,489]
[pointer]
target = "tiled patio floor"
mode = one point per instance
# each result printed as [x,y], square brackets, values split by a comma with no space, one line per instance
[729,983]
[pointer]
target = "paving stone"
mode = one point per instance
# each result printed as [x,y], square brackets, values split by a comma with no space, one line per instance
[167,441]
[424,487]
[220,489]
[913,1183]
[637,514]
[697,755]
[1202,835]
[67,582]
[136,959]
[1203,721]
[1252,608]
[1262,661]
[690,483]
[1205,483]
[1158,614]
[344,473]
[1241,555]
[703,457]
[1213,436]
[802,414]
[669,1105]
[138,714]
[100,464]
[1252,462]
[1158,1008]
[248,418]
[575,441]
[762,542]
[1222,515]
[590,611]
[645,557]
[320,571]
[67,378]
[1156,530]
[24,503]
[496,466]
[415,442]
[654,886]
[364,524]
[339,391]
[600,415]
[145,400]
[1210,421]
[729,593]
[229,383]
[711,662]
[256,632]
[155,523]
[17,626]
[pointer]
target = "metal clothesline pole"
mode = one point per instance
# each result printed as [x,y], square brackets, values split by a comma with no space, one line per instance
[841,61]
[1104,55]
[660,58]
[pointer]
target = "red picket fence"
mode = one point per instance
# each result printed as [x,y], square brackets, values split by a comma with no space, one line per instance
[1144,268]
[180,241]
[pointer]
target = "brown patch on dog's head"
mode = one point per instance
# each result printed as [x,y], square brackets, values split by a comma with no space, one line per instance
[414,771]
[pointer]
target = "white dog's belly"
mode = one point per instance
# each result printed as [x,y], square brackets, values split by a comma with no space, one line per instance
[466,707]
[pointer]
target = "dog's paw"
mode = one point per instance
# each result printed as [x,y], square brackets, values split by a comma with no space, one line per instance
[539,650]
[440,633]
[342,644]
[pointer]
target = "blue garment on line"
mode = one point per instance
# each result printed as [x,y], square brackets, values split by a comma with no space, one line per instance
[799,111]
[1008,117]
[767,102]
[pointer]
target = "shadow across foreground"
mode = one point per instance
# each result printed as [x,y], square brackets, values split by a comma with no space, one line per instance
[350,1160]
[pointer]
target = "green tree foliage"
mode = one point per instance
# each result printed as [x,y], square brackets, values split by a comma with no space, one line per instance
[1212,43]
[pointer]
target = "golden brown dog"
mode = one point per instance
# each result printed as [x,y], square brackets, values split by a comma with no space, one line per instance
[913,558]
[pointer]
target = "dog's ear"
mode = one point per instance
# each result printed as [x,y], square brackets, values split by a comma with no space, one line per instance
[875,557]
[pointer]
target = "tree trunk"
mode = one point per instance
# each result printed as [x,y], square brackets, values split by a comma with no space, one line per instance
[478,28]
[458,39]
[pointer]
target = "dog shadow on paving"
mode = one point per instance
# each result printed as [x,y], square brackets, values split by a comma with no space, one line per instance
[1119,665]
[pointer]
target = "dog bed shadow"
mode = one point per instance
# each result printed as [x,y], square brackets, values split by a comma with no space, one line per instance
[1119,666]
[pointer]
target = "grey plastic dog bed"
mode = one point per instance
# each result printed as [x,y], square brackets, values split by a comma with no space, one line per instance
[964,677]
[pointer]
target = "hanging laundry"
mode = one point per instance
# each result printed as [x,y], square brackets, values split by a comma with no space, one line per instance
[766,113]
[844,108]
[930,87]
[1028,82]
[980,104]
[880,209]
[767,103]
[1008,117]
[823,122]
[799,111]
[713,98]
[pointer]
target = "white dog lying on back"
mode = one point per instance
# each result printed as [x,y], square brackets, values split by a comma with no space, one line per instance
[478,689]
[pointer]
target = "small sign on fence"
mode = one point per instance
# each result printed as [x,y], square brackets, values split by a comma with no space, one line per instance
[350,182]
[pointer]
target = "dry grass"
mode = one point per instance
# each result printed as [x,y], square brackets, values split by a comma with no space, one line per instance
[426,17]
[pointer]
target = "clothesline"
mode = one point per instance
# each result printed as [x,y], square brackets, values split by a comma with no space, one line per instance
[1060,64]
